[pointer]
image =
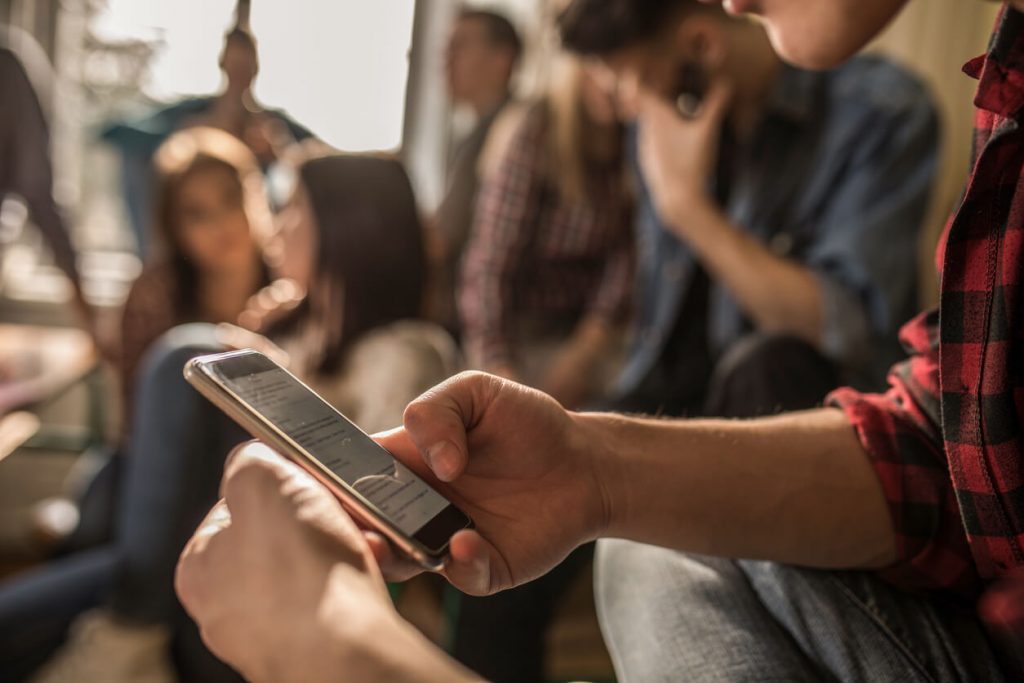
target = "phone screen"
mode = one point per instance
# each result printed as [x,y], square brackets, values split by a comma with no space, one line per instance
[341,447]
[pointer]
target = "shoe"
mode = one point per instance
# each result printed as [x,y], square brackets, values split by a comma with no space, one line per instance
[102,650]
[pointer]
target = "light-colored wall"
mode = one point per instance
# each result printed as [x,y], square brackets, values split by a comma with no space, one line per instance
[935,38]
[429,123]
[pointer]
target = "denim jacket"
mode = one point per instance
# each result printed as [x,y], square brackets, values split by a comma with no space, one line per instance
[836,177]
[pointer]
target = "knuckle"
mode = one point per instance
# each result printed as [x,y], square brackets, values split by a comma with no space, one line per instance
[413,412]
[251,478]
[472,376]
[237,452]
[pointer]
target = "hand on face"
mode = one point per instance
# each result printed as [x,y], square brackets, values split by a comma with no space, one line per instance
[678,155]
[513,460]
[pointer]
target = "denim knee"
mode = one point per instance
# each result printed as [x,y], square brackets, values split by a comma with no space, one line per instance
[167,356]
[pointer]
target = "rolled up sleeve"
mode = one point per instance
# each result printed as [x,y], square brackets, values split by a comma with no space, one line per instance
[901,434]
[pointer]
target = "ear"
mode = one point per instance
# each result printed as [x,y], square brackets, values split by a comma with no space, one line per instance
[702,38]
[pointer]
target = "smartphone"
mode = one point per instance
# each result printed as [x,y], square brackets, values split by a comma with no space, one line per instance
[378,490]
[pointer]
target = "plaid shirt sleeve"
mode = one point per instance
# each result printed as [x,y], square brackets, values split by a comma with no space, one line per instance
[901,433]
[503,228]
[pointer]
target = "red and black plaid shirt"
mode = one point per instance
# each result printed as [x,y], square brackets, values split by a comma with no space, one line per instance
[947,440]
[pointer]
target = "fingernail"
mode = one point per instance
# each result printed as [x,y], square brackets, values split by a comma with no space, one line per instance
[443,459]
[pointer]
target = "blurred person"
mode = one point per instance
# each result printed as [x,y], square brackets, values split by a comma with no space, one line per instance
[480,60]
[211,221]
[25,171]
[234,110]
[785,264]
[547,273]
[874,527]
[348,249]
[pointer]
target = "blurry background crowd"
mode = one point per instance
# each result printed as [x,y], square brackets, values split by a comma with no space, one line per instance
[380,194]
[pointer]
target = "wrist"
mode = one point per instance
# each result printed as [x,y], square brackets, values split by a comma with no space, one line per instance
[596,435]
[688,210]
[388,648]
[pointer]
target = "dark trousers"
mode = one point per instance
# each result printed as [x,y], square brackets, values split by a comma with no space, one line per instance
[503,637]
[167,484]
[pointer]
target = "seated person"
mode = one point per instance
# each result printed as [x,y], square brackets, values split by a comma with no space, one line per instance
[783,262]
[547,273]
[869,527]
[210,222]
[350,238]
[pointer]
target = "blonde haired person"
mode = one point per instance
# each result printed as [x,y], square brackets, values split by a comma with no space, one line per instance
[547,275]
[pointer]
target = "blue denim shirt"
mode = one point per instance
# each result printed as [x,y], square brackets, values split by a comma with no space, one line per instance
[837,177]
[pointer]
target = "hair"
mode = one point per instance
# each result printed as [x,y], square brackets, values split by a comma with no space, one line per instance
[500,31]
[242,36]
[370,265]
[570,133]
[184,154]
[600,27]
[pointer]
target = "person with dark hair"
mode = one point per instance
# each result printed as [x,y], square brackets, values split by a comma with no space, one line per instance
[348,252]
[785,264]
[234,110]
[351,240]
[480,61]
[848,543]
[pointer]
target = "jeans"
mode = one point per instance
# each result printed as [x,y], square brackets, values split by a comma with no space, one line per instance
[670,616]
[179,443]
[170,480]
[502,637]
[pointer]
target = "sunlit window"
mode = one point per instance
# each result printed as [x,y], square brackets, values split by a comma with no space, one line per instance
[339,68]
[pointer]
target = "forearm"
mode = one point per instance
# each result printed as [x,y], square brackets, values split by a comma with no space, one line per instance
[796,488]
[778,294]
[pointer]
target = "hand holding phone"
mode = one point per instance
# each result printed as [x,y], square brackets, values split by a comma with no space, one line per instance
[284,586]
[379,491]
